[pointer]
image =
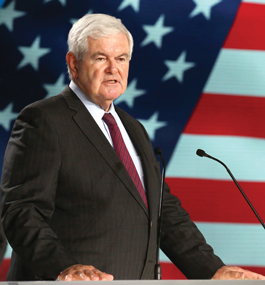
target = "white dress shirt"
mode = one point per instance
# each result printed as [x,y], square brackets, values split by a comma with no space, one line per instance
[97,113]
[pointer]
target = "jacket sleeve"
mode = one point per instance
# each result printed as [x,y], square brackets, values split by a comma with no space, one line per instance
[182,241]
[2,243]
[184,244]
[29,179]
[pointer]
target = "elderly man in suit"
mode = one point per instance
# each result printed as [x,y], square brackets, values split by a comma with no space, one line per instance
[81,183]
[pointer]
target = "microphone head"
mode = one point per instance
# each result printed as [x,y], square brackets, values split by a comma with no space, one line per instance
[158,151]
[200,152]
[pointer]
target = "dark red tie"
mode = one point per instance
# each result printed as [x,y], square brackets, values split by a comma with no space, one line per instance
[123,153]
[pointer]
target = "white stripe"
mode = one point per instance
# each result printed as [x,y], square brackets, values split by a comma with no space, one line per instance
[254,1]
[238,72]
[235,244]
[245,157]
[8,252]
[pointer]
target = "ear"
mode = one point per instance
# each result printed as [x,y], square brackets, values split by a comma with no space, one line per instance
[72,64]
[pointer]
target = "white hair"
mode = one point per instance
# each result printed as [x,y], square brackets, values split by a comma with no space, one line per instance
[95,26]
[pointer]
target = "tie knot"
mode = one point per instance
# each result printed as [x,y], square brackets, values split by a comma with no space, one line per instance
[109,119]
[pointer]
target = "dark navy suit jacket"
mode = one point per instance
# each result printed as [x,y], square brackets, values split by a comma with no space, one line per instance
[68,199]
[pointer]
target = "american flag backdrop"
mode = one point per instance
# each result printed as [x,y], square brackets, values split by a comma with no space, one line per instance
[197,80]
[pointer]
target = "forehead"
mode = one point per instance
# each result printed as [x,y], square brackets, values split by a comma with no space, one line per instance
[114,44]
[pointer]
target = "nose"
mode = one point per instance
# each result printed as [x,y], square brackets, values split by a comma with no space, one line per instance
[112,67]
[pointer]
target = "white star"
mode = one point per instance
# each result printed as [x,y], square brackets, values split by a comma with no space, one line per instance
[63,2]
[8,14]
[134,3]
[177,67]
[204,7]
[56,88]
[130,94]
[156,32]
[7,116]
[32,54]
[73,20]
[152,125]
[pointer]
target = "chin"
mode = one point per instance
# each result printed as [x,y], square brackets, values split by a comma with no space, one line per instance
[113,96]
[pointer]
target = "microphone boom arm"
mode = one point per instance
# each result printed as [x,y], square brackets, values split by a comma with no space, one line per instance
[158,274]
[202,153]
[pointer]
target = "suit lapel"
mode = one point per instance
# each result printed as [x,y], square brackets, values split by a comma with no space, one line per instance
[91,130]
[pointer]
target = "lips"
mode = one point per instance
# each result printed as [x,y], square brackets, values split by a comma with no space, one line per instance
[111,81]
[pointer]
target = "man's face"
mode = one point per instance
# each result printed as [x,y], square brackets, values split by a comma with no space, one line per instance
[102,74]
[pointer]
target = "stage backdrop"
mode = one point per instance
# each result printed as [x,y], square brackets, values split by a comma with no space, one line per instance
[197,80]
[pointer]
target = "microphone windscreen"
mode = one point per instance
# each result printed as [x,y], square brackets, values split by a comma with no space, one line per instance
[158,150]
[200,152]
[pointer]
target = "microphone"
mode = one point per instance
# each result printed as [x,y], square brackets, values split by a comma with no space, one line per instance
[158,274]
[202,153]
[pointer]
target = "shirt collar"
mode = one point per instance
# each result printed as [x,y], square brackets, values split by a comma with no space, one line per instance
[95,110]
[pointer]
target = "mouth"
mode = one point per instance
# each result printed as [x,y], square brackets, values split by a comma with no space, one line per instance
[113,81]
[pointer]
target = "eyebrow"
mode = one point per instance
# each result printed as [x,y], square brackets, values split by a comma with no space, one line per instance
[103,54]
[97,54]
[124,54]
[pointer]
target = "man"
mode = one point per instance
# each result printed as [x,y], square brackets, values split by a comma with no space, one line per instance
[75,202]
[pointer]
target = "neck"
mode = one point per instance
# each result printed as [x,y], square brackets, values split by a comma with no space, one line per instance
[103,105]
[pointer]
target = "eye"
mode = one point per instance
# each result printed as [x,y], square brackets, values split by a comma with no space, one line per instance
[121,59]
[100,59]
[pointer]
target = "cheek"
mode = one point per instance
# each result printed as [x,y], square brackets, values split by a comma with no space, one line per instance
[97,77]
[125,77]
[124,85]
[93,78]
[125,73]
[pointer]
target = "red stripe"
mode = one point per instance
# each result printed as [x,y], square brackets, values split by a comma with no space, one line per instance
[247,31]
[219,201]
[228,115]
[3,269]
[171,272]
